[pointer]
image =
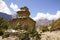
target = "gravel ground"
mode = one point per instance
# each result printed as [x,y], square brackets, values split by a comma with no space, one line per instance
[55,35]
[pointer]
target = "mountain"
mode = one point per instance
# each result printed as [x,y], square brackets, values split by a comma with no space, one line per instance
[5,16]
[57,24]
[43,22]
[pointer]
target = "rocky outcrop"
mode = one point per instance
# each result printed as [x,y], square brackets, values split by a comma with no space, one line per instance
[23,19]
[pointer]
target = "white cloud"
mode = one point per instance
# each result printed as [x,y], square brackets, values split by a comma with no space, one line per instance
[14,7]
[4,8]
[47,16]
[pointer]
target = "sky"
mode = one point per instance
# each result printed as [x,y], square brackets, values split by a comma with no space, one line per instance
[39,9]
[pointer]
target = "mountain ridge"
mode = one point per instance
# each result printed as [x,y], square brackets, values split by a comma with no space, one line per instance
[5,16]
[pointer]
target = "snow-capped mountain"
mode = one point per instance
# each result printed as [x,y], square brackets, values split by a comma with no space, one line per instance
[43,22]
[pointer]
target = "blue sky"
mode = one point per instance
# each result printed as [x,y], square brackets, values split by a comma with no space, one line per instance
[35,6]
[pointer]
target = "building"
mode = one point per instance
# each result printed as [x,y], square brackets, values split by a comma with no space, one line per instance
[23,20]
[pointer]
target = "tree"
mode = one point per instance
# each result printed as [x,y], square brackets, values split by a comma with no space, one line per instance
[18,27]
[51,26]
[34,34]
[3,25]
[43,28]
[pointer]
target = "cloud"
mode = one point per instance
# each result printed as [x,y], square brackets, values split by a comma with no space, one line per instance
[14,7]
[47,16]
[4,8]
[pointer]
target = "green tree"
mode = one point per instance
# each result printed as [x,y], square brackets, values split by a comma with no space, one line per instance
[18,27]
[43,28]
[51,26]
[3,25]
[35,34]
